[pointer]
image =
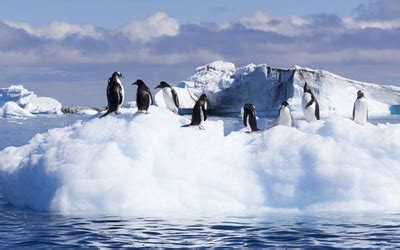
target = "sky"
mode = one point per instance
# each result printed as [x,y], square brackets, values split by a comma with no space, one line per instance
[68,49]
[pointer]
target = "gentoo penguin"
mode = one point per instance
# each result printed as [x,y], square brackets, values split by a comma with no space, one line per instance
[115,93]
[249,117]
[199,114]
[309,104]
[143,96]
[285,116]
[170,96]
[360,108]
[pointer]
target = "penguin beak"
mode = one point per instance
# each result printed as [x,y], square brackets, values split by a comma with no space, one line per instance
[134,83]
[158,86]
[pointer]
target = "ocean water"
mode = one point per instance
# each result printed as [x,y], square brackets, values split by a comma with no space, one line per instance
[21,227]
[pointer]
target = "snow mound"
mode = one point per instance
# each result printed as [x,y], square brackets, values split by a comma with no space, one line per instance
[228,88]
[28,101]
[149,164]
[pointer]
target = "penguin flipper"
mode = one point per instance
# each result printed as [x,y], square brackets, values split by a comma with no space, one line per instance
[175,96]
[354,110]
[310,102]
[317,110]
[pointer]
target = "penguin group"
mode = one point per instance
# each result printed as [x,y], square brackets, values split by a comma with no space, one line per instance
[309,103]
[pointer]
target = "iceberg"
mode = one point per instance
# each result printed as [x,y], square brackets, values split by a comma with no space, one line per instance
[148,164]
[27,101]
[228,88]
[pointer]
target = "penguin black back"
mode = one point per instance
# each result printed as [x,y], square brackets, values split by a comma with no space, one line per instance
[143,96]
[199,113]
[250,116]
[114,93]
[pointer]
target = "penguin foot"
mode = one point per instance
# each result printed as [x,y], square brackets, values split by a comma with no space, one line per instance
[118,112]
[202,127]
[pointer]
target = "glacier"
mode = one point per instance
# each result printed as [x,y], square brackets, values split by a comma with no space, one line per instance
[148,164]
[228,87]
[17,101]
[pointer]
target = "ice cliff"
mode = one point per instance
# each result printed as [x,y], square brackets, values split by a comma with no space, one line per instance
[229,87]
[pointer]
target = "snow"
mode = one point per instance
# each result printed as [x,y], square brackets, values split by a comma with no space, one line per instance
[228,88]
[27,103]
[148,164]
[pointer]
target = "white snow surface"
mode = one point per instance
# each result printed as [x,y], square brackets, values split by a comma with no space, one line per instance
[228,88]
[148,164]
[26,100]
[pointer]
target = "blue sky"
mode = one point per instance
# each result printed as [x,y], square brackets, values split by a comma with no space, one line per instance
[113,13]
[58,47]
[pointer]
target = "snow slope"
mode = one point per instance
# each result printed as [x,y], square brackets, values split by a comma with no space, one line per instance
[130,164]
[25,103]
[228,88]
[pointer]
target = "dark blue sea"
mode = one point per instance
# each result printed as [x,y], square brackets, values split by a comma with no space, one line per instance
[21,227]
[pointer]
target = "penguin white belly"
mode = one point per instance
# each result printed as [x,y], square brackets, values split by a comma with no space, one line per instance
[169,99]
[248,123]
[285,117]
[309,112]
[201,117]
[122,91]
[360,111]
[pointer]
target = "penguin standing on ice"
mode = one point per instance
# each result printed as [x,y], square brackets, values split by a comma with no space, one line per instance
[170,96]
[115,93]
[285,116]
[360,108]
[199,114]
[143,96]
[249,117]
[309,104]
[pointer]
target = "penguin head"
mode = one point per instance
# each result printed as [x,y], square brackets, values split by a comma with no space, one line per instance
[250,108]
[116,75]
[162,85]
[203,99]
[285,104]
[306,88]
[139,83]
[360,94]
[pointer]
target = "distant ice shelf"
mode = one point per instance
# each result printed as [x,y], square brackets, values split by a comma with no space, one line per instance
[17,101]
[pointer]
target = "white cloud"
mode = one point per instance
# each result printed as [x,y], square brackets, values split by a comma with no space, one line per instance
[157,25]
[259,20]
[352,23]
[57,30]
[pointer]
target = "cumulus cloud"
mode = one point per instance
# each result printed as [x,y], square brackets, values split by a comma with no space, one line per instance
[57,30]
[379,10]
[348,45]
[157,25]
[260,20]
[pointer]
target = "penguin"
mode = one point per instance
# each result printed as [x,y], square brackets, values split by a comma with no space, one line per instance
[309,104]
[249,117]
[360,108]
[115,93]
[170,96]
[199,114]
[143,96]
[285,116]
